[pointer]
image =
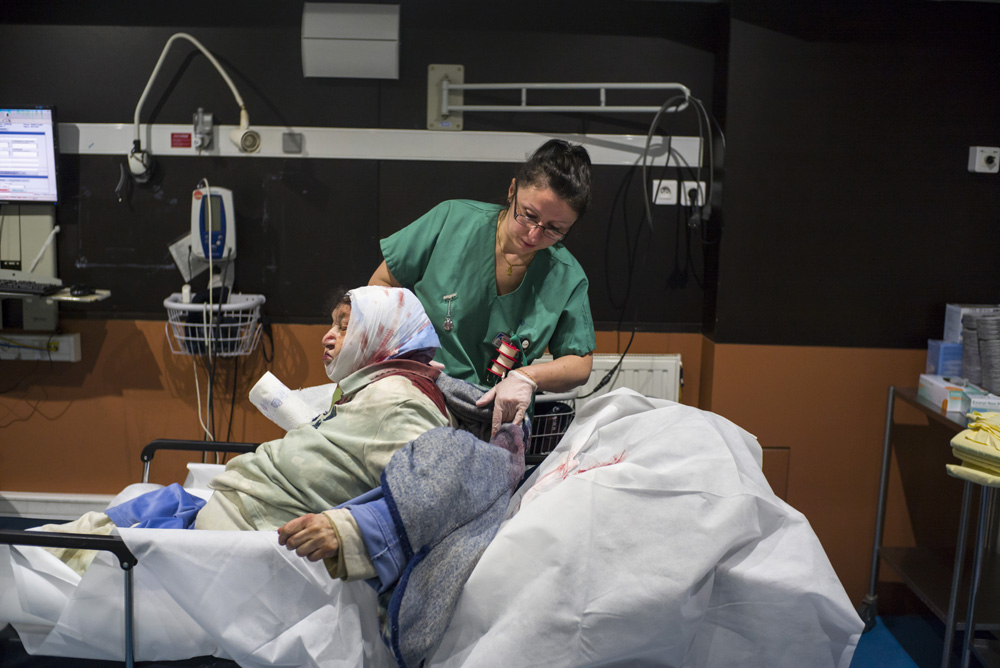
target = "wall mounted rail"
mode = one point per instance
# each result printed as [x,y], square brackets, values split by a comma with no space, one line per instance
[603,88]
[446,87]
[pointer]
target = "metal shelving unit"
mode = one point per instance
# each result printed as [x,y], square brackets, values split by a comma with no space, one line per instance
[929,572]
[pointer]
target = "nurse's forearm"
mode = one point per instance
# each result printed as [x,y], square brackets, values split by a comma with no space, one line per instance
[561,374]
[384,277]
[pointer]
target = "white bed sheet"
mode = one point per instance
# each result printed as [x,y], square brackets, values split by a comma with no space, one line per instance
[651,537]
[648,537]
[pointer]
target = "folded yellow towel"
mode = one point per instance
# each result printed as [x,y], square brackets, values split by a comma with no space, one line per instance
[972,460]
[979,446]
[973,475]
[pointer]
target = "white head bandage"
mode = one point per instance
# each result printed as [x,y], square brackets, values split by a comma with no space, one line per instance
[385,323]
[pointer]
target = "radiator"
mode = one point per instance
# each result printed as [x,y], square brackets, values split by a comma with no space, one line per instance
[51,506]
[656,376]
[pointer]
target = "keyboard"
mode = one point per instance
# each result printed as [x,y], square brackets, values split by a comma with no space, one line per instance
[17,283]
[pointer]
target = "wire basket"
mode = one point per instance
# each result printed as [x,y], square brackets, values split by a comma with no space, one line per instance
[225,330]
[553,415]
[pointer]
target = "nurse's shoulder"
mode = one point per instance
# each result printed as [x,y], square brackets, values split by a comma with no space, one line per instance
[467,208]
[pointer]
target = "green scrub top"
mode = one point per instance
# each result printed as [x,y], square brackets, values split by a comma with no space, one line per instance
[450,251]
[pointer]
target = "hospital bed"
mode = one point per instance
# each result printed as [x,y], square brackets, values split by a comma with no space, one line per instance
[648,536]
[553,414]
[114,544]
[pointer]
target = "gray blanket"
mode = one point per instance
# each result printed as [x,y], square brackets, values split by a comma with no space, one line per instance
[447,491]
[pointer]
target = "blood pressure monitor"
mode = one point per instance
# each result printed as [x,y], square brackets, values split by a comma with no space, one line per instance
[213,224]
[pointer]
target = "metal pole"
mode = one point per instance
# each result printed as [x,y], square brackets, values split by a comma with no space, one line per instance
[977,563]
[869,606]
[129,613]
[956,577]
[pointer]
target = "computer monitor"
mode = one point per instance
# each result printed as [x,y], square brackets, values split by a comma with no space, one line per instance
[29,155]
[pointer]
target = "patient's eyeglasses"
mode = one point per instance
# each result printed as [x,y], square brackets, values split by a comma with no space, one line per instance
[527,222]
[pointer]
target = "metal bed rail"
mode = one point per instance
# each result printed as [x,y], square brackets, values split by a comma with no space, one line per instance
[152,447]
[113,544]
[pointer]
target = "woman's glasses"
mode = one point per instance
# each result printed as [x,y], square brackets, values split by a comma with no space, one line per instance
[525,221]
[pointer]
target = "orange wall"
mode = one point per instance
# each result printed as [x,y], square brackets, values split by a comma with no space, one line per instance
[80,427]
[95,416]
[819,413]
[827,406]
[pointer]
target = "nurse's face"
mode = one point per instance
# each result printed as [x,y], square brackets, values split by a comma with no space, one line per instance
[333,341]
[536,218]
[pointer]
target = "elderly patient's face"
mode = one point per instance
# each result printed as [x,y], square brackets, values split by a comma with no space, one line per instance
[333,341]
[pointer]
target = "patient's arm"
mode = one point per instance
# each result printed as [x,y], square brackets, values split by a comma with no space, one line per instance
[383,276]
[311,536]
[333,537]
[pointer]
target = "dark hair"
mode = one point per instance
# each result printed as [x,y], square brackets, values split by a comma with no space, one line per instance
[335,298]
[563,168]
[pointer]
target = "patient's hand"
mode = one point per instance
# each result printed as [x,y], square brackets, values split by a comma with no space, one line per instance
[311,536]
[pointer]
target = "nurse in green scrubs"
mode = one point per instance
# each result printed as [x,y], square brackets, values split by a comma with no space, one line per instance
[484,269]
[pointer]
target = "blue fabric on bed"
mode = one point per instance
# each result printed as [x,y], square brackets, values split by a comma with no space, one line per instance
[168,508]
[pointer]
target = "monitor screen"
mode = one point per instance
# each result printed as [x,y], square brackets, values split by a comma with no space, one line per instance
[28,155]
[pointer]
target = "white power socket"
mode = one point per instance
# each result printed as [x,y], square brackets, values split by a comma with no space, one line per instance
[984,159]
[687,187]
[45,347]
[665,191]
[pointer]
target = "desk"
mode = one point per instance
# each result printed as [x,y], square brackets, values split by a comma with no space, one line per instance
[930,573]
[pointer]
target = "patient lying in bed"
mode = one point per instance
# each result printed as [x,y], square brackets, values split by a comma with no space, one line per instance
[377,350]
[648,537]
[419,494]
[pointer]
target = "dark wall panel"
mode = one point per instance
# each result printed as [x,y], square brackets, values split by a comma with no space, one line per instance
[307,224]
[851,218]
[303,227]
[667,256]
[96,74]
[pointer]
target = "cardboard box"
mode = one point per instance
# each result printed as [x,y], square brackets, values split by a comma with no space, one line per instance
[975,398]
[944,358]
[940,391]
[953,318]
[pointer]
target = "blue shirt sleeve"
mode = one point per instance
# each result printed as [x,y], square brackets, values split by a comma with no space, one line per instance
[381,539]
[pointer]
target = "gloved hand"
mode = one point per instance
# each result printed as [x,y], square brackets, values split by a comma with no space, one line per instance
[511,397]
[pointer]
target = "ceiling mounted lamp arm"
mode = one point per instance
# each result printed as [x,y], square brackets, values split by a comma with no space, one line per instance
[140,162]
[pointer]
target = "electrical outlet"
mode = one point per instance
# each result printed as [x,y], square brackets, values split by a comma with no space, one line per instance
[665,191]
[202,130]
[291,142]
[45,347]
[690,187]
[984,159]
